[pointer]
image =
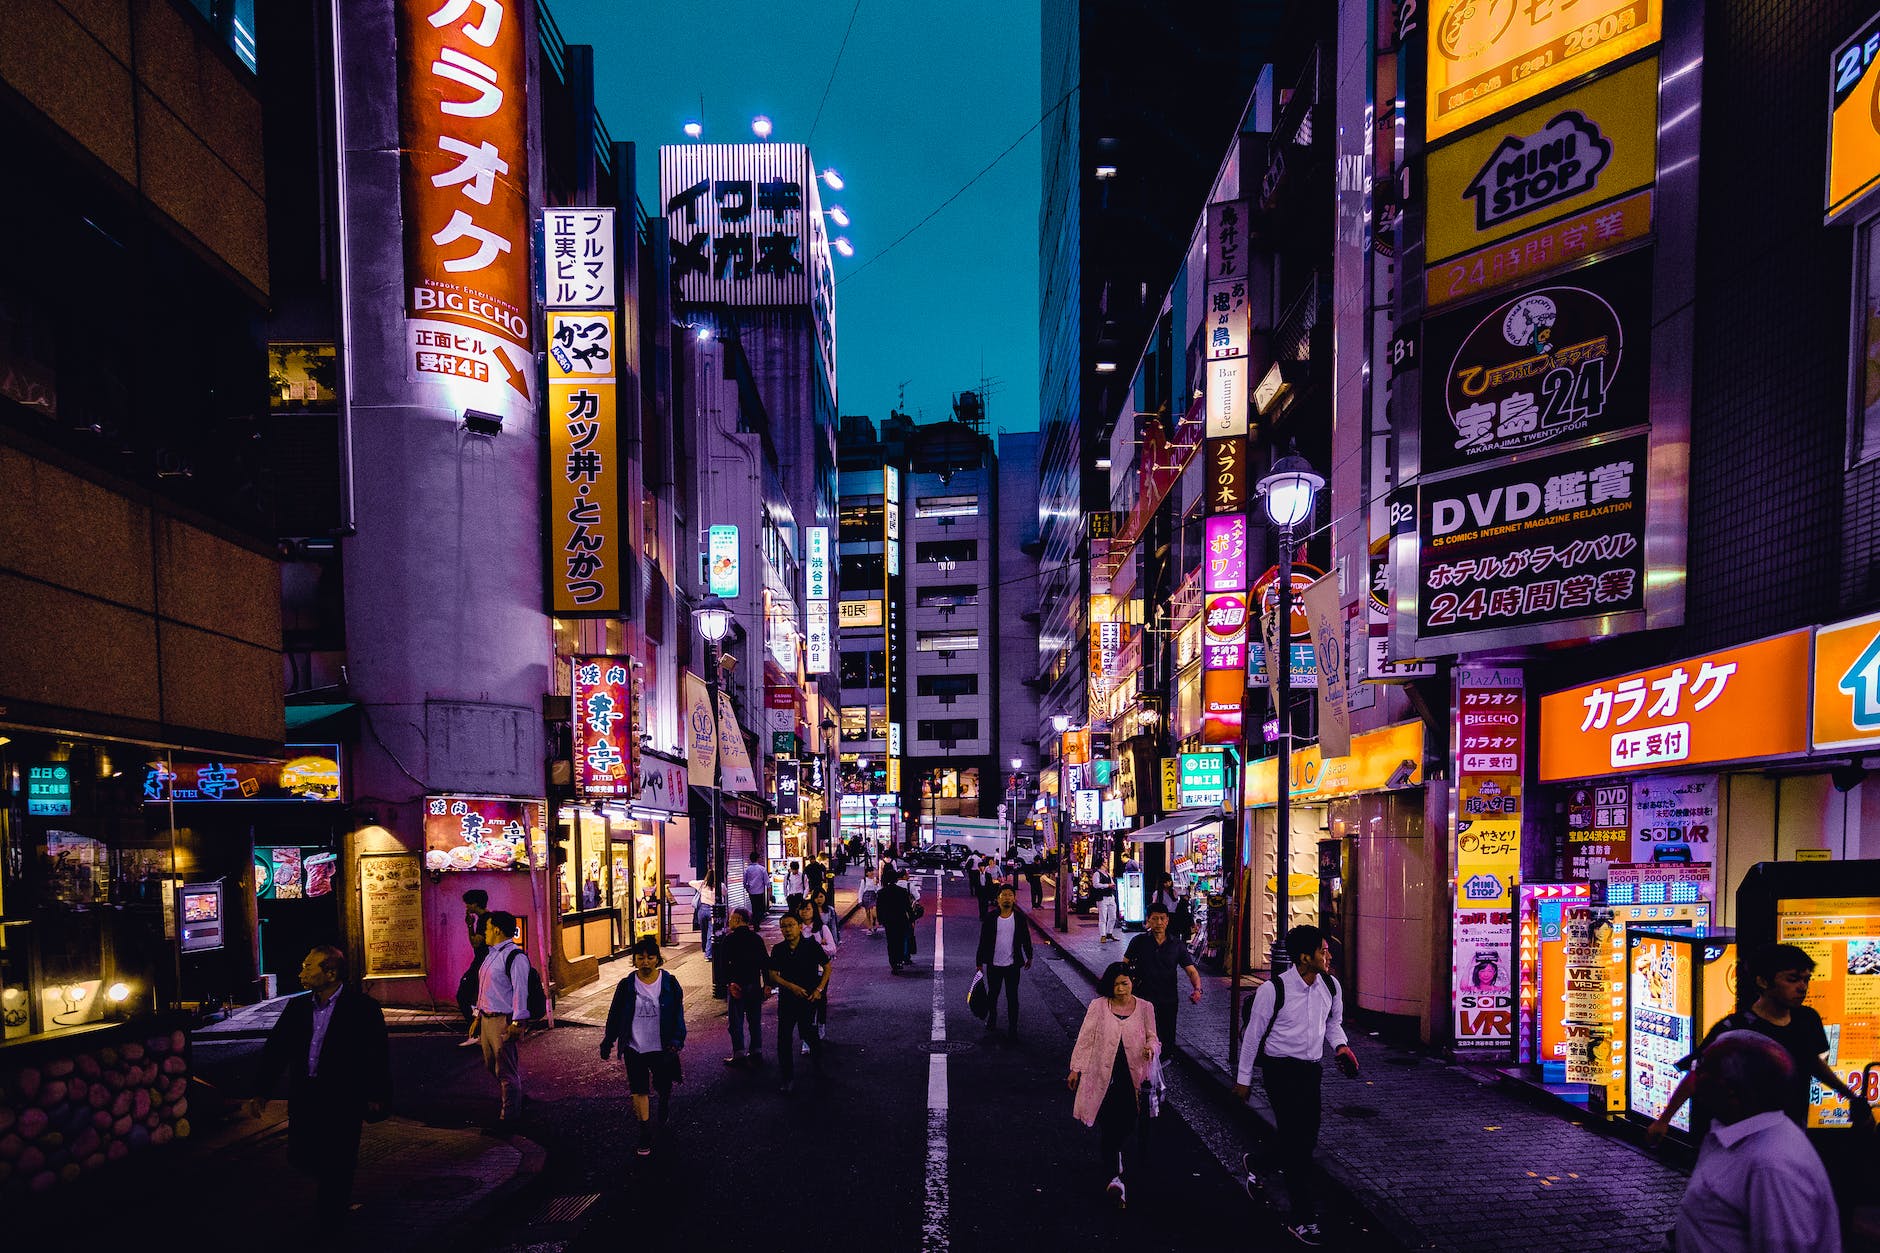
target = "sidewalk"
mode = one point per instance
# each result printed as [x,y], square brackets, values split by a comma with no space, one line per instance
[1441,1158]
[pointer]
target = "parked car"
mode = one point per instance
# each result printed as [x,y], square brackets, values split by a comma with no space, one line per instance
[939,857]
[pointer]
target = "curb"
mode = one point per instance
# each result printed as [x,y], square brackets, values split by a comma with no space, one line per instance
[1207,1068]
[527,1174]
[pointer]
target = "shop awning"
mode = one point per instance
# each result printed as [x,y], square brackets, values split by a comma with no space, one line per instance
[1181,822]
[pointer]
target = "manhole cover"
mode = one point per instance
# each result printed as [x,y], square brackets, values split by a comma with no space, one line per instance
[1357,1111]
[438,1188]
[949,1046]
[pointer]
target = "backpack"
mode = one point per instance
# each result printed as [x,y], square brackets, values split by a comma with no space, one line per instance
[1279,1003]
[536,997]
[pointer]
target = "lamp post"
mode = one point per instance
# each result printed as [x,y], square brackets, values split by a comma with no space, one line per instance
[1288,492]
[714,620]
[1061,724]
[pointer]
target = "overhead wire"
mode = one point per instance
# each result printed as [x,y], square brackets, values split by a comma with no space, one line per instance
[832,70]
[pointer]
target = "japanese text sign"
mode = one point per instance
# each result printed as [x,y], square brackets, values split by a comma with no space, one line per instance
[601,700]
[1380,761]
[1490,732]
[1738,704]
[721,555]
[1590,146]
[1550,363]
[1224,632]
[1224,563]
[1550,540]
[310,773]
[463,140]
[1226,397]
[586,543]
[1524,257]
[1202,781]
[1853,127]
[1228,245]
[1226,485]
[816,563]
[1846,684]
[1484,58]
[1228,326]
[817,645]
[49,790]
[580,265]
[740,221]
[479,832]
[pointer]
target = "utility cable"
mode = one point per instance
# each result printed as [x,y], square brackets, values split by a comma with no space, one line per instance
[832,71]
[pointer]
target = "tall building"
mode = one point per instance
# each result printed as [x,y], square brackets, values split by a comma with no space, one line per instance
[1124,162]
[1016,612]
[870,643]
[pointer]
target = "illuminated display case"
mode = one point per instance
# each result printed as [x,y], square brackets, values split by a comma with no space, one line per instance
[1679,980]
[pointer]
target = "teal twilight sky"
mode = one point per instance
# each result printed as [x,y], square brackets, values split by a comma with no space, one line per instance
[925,96]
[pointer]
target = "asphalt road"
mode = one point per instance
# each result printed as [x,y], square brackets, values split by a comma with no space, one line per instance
[859,1156]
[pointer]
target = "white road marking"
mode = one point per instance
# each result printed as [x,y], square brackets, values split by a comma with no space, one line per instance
[935,1236]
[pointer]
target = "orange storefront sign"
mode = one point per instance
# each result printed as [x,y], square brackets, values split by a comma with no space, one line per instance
[1381,760]
[1847,684]
[1740,704]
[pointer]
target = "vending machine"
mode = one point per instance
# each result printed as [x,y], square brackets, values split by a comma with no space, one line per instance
[1679,980]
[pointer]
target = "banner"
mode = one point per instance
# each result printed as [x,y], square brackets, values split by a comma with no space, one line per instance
[601,703]
[463,127]
[1327,619]
[1491,723]
[736,766]
[587,566]
[701,733]
[1483,962]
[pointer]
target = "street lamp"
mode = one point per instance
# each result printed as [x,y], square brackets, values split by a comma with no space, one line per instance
[1288,492]
[1061,723]
[714,622]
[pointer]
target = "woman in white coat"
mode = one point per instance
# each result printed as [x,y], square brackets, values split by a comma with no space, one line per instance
[1116,1048]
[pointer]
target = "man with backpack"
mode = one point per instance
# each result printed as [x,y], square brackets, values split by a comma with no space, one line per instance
[509,995]
[1289,1022]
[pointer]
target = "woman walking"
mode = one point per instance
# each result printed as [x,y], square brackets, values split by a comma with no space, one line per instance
[1116,1048]
[871,885]
[707,889]
[647,1017]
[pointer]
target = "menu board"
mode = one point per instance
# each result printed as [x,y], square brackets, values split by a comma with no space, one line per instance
[1661,1023]
[391,915]
[479,832]
[1842,934]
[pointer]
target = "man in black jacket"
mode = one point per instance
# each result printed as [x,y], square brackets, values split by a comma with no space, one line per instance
[1004,950]
[894,907]
[738,963]
[331,1043]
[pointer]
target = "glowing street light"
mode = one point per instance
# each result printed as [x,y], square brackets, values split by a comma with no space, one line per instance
[693,130]
[838,215]
[832,178]
[844,247]
[760,126]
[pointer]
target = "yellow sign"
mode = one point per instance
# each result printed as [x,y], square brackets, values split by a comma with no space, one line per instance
[1171,784]
[1582,148]
[1490,848]
[1516,260]
[1854,126]
[1813,854]
[586,546]
[1846,684]
[858,613]
[1490,55]
[1380,760]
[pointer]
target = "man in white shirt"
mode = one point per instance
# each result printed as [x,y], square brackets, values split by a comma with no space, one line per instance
[502,1009]
[1004,950]
[757,886]
[1290,1022]
[1759,1186]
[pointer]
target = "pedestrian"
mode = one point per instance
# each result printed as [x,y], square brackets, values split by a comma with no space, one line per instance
[757,887]
[1111,1061]
[794,881]
[1781,974]
[1004,950]
[896,906]
[815,874]
[647,1018]
[702,912]
[1290,1022]
[1034,875]
[819,925]
[871,885]
[972,874]
[1103,889]
[826,912]
[331,1043]
[1157,958]
[476,906]
[1166,896]
[502,1009]
[738,962]
[799,969]
[1759,1187]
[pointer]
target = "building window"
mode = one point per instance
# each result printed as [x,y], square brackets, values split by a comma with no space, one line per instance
[947,596]
[944,729]
[864,668]
[948,641]
[947,685]
[862,570]
[946,506]
[1864,432]
[862,523]
[947,550]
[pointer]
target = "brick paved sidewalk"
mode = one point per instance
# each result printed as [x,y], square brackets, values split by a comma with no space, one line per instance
[1442,1158]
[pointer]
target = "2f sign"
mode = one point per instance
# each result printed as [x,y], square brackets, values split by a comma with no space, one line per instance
[1854,62]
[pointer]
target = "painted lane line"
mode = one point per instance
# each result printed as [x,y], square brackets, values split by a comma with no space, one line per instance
[935,1219]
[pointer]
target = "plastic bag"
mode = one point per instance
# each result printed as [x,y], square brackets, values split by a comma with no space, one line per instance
[978,999]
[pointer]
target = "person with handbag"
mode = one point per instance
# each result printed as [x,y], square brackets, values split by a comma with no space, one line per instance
[895,907]
[1111,1065]
[647,1019]
[1004,950]
[1289,1023]
[332,1045]
[1103,888]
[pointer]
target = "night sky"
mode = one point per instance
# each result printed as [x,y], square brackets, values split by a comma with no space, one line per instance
[925,96]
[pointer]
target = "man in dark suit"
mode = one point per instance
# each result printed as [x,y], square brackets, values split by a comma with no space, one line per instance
[331,1043]
[1004,950]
